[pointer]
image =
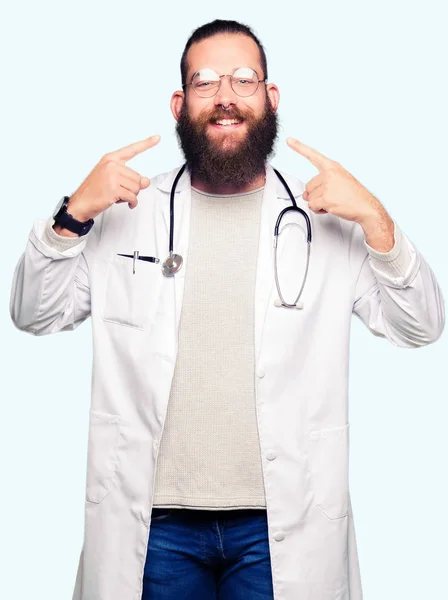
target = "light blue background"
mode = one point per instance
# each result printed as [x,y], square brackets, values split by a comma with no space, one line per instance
[364,83]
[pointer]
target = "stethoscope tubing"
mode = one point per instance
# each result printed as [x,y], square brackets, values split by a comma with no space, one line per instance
[174,262]
[173,189]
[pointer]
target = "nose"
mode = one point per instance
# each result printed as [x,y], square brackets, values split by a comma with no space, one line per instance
[225,95]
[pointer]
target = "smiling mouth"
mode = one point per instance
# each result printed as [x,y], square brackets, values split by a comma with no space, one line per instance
[227,123]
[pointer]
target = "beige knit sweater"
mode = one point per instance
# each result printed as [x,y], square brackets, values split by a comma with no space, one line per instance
[209,454]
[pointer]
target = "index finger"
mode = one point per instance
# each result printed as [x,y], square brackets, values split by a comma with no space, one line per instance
[132,150]
[316,158]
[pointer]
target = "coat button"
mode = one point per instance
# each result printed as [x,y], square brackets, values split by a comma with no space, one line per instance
[279,537]
[271,455]
[261,372]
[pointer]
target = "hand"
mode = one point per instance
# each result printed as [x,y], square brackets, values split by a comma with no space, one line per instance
[335,191]
[110,182]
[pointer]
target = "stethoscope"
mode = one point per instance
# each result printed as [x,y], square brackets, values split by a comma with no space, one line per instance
[173,263]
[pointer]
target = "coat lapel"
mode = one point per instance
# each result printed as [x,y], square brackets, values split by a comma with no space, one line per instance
[275,199]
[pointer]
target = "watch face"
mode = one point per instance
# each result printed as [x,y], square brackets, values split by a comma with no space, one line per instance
[59,205]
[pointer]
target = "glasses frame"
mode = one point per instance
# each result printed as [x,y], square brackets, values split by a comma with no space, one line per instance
[184,85]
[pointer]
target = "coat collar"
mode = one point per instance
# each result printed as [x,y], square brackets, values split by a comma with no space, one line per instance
[275,199]
[184,182]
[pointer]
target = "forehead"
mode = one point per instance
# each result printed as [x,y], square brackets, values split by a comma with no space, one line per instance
[223,53]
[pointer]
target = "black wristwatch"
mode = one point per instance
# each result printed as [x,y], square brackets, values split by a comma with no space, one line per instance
[65,219]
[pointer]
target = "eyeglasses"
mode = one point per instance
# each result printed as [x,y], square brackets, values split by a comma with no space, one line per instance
[206,82]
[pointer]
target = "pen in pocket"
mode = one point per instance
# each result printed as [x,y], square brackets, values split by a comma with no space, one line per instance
[136,256]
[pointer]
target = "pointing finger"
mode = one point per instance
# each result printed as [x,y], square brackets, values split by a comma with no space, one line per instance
[316,158]
[132,150]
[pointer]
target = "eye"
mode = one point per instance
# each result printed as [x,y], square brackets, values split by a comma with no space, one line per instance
[244,81]
[204,84]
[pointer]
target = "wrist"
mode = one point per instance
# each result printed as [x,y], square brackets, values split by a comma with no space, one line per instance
[75,209]
[379,232]
[74,220]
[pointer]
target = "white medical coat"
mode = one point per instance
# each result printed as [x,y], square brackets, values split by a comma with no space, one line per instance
[301,376]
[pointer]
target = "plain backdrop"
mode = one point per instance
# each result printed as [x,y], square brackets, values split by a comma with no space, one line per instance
[364,83]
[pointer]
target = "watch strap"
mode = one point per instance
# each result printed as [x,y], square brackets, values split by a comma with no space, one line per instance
[67,221]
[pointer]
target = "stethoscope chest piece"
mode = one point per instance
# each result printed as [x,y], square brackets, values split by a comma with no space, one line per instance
[172,264]
[298,305]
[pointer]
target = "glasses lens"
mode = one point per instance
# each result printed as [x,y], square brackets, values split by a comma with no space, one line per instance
[245,81]
[205,83]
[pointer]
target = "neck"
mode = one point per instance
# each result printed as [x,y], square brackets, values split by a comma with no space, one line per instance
[209,188]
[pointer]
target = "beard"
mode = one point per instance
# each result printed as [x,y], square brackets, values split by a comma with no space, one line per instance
[220,161]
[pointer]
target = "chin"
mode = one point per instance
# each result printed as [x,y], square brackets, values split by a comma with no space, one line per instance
[230,140]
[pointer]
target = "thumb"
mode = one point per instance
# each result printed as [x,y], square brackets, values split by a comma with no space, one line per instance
[144,183]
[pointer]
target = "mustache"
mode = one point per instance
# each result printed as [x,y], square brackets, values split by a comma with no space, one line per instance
[217,115]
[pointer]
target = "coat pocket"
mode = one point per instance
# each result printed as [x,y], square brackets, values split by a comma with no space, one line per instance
[327,452]
[102,455]
[131,298]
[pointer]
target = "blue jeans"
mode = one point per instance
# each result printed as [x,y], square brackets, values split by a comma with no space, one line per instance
[208,555]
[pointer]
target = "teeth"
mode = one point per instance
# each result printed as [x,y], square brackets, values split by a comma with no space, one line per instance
[227,122]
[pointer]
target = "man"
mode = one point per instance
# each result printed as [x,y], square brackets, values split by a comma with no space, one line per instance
[218,436]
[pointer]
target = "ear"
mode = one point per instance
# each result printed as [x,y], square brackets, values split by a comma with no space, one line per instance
[274,94]
[177,99]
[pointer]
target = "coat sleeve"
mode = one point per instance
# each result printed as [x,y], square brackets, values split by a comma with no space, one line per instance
[396,293]
[50,288]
